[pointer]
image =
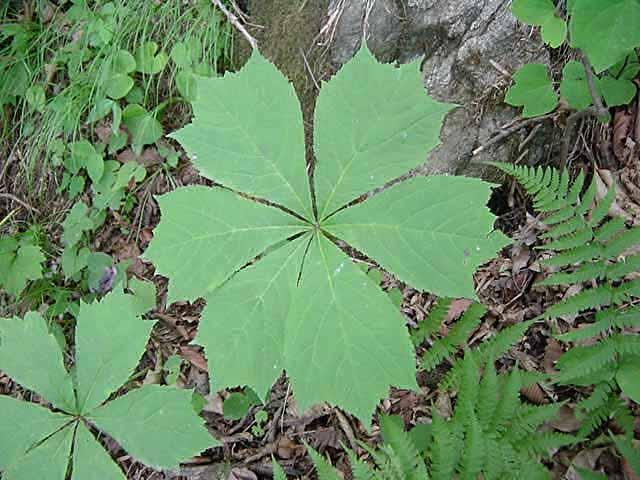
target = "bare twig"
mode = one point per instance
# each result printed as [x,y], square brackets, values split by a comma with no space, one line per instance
[510,131]
[233,19]
[601,111]
[308,67]
[13,198]
[572,122]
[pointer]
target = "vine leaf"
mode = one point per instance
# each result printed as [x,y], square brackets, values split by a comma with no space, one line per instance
[605,31]
[438,222]
[542,13]
[533,91]
[372,124]
[280,295]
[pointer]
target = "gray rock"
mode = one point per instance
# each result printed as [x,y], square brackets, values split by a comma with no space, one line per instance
[464,44]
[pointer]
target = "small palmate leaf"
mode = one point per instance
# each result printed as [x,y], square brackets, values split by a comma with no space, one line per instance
[49,460]
[532,90]
[90,459]
[110,340]
[346,343]
[31,356]
[372,124]
[206,234]
[155,424]
[22,426]
[247,134]
[432,232]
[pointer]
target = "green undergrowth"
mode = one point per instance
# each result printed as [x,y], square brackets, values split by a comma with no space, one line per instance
[591,250]
[67,67]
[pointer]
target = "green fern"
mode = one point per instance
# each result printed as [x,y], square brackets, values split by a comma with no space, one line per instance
[590,249]
[491,435]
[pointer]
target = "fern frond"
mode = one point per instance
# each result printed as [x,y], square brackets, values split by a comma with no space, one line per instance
[605,321]
[473,454]
[626,344]
[323,468]
[447,345]
[610,229]
[492,348]
[359,469]
[624,267]
[601,209]
[444,451]
[581,362]
[624,418]
[468,393]
[584,253]
[622,242]
[576,189]
[278,472]
[542,443]
[528,418]
[566,228]
[508,402]
[487,395]
[587,199]
[584,273]
[573,240]
[409,459]
[592,419]
[434,320]
[602,295]
[630,452]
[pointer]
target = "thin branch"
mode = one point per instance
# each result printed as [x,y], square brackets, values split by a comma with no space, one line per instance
[308,67]
[233,19]
[510,131]
[572,122]
[601,111]
[10,196]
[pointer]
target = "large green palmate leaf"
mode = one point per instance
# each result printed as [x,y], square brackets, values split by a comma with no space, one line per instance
[211,233]
[250,313]
[90,460]
[605,30]
[372,124]
[247,140]
[346,342]
[22,426]
[49,460]
[19,263]
[422,231]
[280,294]
[32,357]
